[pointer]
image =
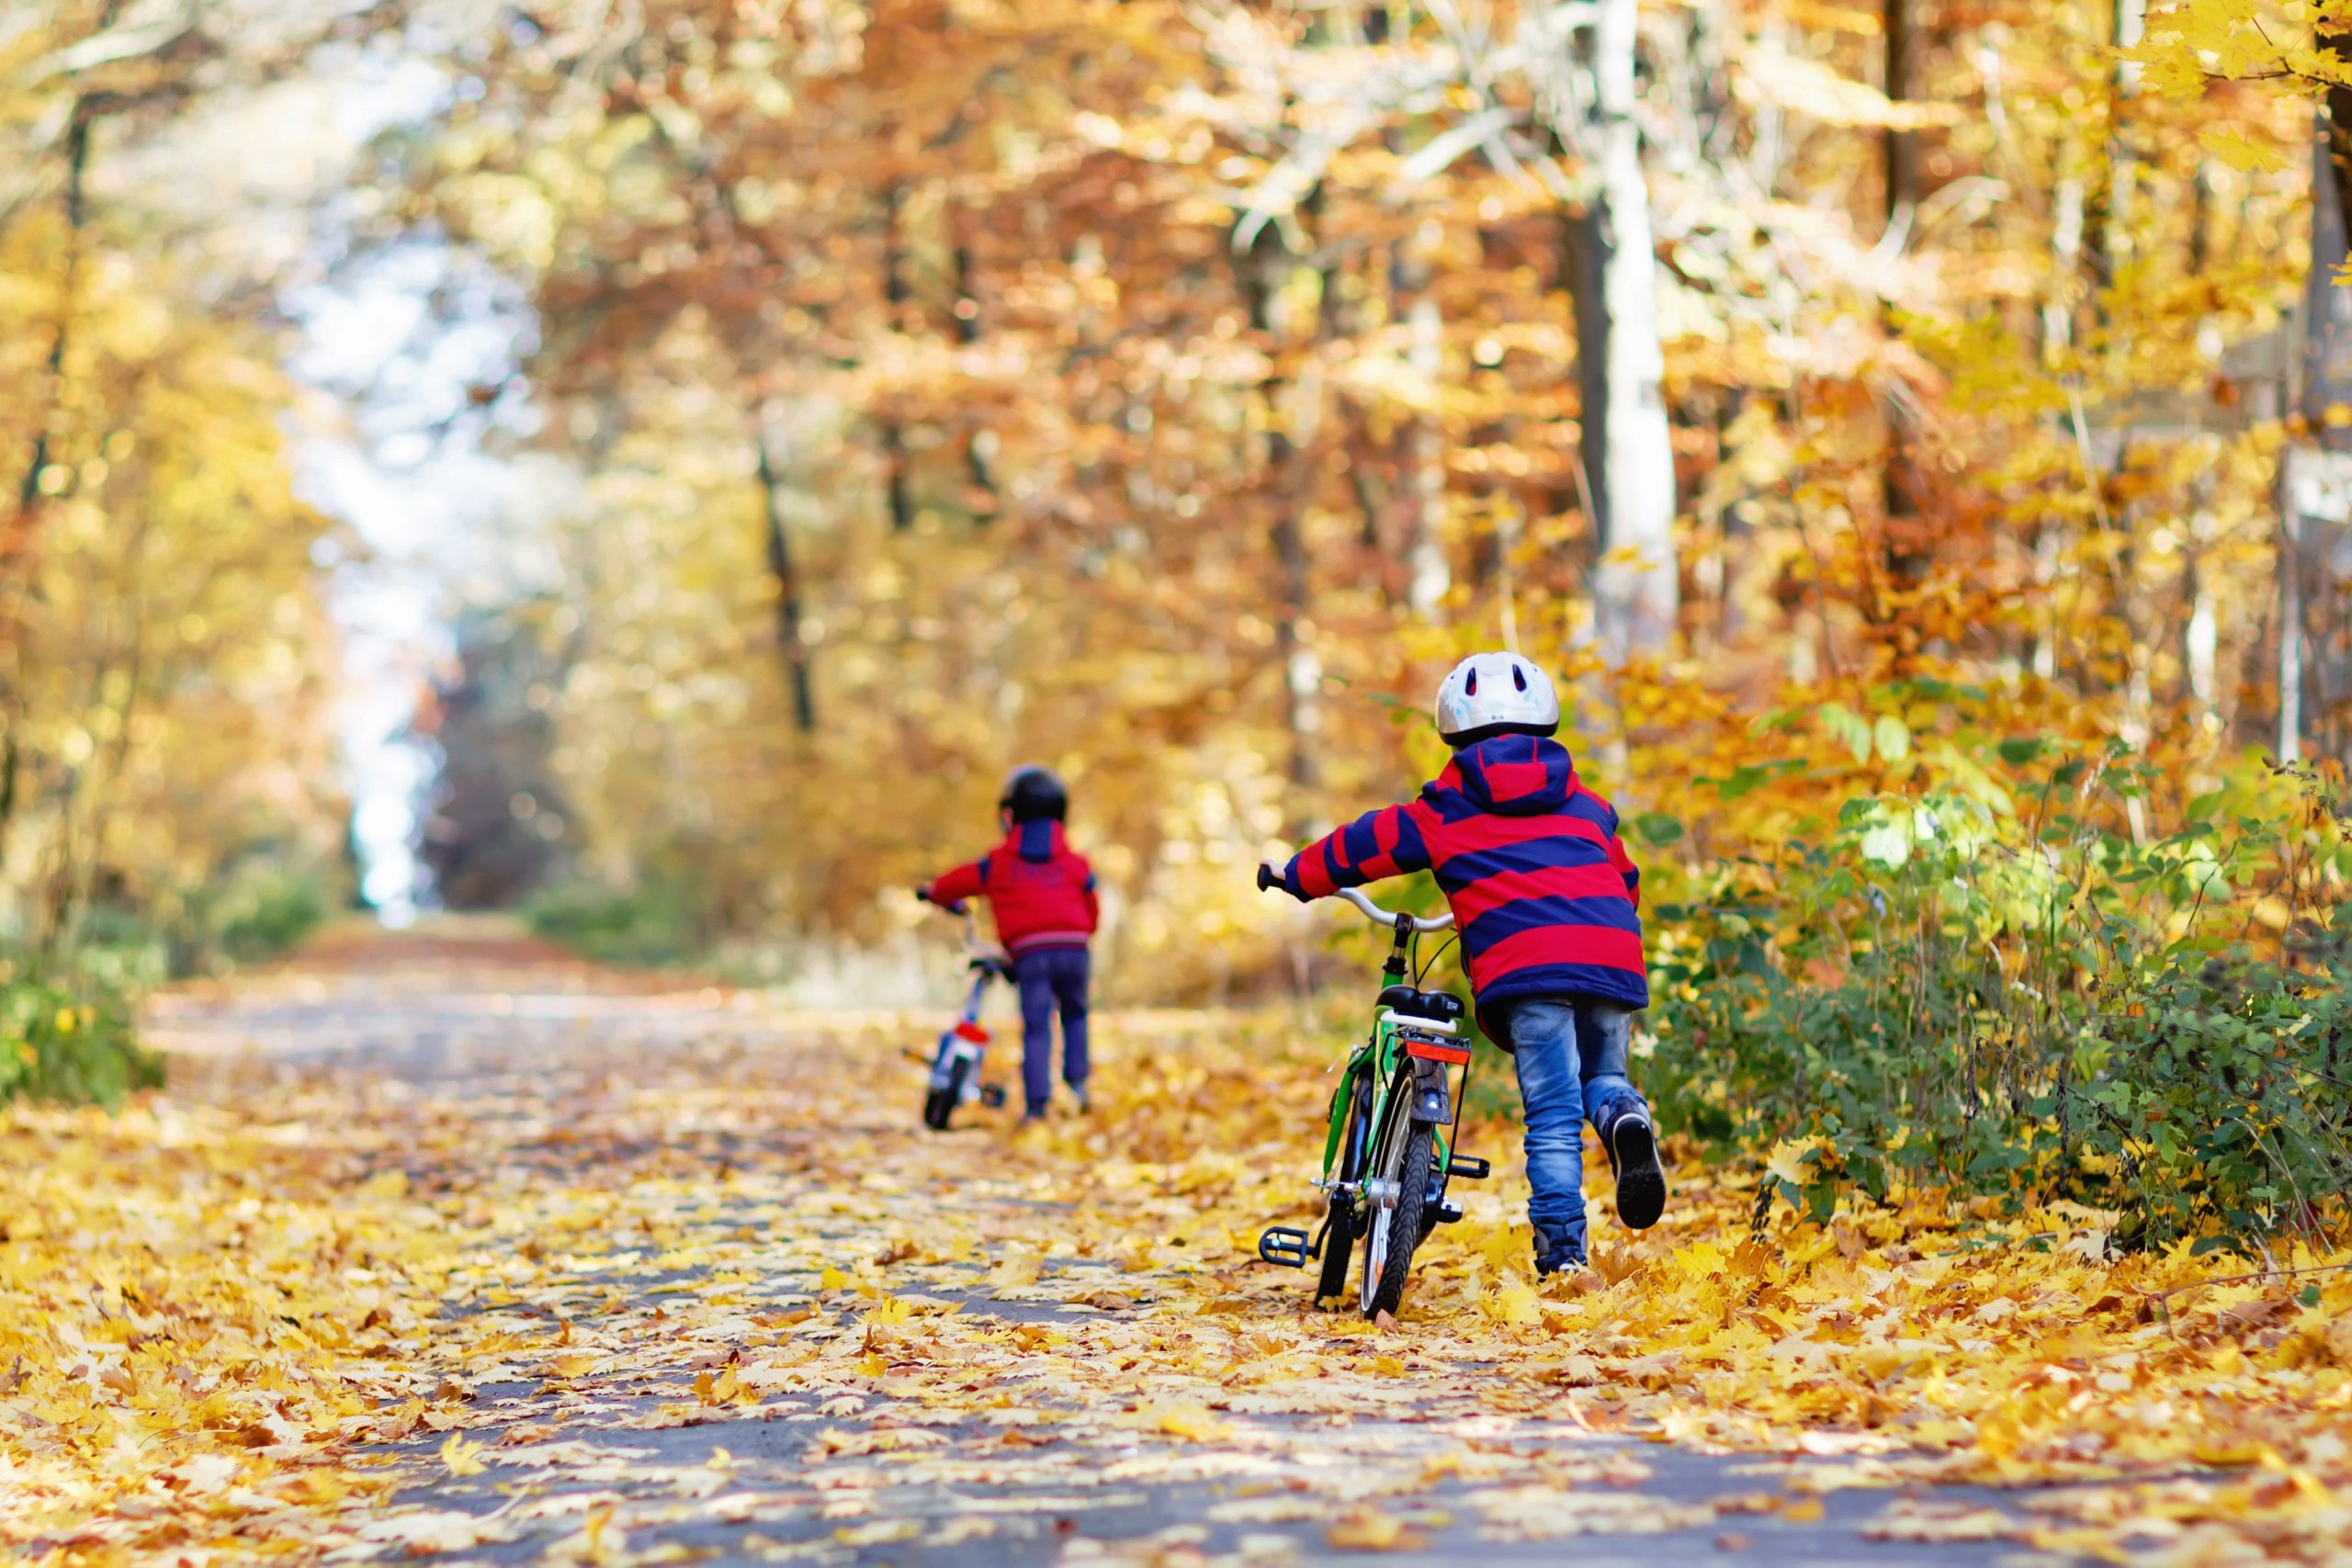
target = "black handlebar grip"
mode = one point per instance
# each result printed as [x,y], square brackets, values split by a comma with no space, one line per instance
[923,894]
[1266,878]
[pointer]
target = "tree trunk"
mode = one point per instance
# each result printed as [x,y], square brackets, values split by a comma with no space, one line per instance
[1265,271]
[17,543]
[1899,149]
[791,642]
[2109,244]
[1429,573]
[894,298]
[2318,464]
[1904,548]
[1628,451]
[2290,631]
[977,440]
[2327,306]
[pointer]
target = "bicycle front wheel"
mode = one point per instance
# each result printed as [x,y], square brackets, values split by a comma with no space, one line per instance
[939,1105]
[1395,1229]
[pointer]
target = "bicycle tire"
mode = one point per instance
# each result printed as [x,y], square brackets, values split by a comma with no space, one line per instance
[1339,1240]
[1387,1265]
[939,1105]
[1339,1251]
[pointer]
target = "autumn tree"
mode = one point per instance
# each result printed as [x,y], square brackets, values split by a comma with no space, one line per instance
[1169,395]
[162,619]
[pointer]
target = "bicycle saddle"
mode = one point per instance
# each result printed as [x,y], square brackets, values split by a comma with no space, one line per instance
[1442,1007]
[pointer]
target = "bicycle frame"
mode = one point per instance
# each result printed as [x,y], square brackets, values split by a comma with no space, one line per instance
[1373,1065]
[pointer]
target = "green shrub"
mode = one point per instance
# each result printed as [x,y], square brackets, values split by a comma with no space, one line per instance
[68,1041]
[655,924]
[268,912]
[2028,1002]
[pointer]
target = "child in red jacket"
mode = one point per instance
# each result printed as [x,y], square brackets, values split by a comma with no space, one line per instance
[1042,894]
[1548,906]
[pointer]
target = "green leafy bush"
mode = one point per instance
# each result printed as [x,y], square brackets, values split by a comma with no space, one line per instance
[68,1041]
[266,913]
[655,924]
[2021,993]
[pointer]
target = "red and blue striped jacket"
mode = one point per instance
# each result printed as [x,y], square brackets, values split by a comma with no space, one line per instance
[1547,900]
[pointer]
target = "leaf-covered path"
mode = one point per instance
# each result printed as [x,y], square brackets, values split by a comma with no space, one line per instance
[717,1291]
[623,1275]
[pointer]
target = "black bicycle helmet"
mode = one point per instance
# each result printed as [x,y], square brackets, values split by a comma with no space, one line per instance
[1032,794]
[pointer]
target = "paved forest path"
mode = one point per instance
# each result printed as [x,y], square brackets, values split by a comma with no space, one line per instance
[710,1293]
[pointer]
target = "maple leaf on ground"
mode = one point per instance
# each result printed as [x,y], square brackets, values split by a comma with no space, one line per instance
[1193,1422]
[1366,1528]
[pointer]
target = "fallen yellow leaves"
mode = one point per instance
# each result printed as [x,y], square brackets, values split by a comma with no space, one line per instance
[1366,1528]
[196,1309]
[1190,1421]
[460,1456]
[270,1312]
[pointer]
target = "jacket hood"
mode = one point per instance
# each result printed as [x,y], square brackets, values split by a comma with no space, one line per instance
[1510,775]
[1039,842]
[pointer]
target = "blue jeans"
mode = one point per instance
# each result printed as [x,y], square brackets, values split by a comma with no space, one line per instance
[1570,1052]
[1048,978]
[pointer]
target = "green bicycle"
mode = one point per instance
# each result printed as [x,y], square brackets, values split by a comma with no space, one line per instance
[1390,1149]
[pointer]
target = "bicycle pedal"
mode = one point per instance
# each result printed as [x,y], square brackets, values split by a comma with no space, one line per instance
[1468,1168]
[1448,1211]
[993,1095]
[1285,1245]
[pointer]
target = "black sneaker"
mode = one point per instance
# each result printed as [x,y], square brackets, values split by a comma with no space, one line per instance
[1641,1181]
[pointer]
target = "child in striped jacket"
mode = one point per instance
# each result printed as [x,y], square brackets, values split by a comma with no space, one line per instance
[1548,907]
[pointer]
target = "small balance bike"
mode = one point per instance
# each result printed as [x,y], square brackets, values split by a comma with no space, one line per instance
[963,1049]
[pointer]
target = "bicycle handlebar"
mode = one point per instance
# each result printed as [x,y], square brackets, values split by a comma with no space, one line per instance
[1268,879]
[1390,916]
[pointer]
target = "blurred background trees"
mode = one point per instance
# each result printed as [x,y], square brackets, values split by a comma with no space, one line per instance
[1168,393]
[168,776]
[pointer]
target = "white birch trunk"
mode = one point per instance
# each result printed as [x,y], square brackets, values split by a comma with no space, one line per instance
[1425,557]
[1637,592]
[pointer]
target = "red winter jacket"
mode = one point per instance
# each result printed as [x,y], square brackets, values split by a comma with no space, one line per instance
[1041,890]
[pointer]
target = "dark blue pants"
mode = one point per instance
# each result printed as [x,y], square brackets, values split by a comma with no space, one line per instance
[1049,979]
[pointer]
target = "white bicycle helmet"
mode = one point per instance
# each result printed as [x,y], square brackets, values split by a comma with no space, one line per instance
[1495,694]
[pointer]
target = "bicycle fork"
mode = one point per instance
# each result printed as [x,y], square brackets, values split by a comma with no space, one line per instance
[1431,1104]
[966,1040]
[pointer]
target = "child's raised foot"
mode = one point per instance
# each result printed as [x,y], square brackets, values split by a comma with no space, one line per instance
[1640,1180]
